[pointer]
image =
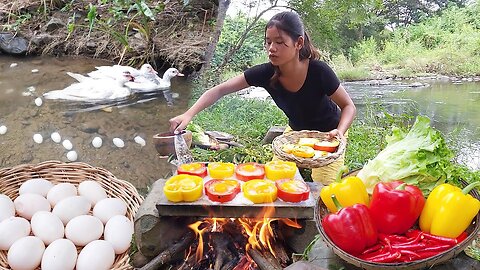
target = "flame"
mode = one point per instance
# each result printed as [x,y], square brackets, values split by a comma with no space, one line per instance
[259,230]
[199,232]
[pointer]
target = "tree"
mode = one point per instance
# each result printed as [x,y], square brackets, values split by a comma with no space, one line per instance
[210,51]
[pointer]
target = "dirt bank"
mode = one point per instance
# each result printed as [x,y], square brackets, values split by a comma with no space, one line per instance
[163,33]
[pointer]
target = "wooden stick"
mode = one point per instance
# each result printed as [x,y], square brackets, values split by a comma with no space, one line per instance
[262,262]
[167,255]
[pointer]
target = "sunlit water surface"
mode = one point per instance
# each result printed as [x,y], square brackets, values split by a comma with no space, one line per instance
[453,107]
[139,115]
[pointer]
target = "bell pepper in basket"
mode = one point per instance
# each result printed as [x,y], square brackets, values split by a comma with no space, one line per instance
[395,206]
[351,228]
[349,191]
[449,210]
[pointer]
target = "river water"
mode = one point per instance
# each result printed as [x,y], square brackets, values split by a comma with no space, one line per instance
[451,106]
[139,115]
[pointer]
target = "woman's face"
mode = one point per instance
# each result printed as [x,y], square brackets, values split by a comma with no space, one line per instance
[280,47]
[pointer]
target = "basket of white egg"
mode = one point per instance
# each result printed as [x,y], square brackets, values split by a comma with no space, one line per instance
[56,215]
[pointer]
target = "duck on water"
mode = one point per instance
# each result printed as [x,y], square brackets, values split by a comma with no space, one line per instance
[114,82]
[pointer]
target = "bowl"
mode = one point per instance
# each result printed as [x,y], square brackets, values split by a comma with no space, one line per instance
[164,142]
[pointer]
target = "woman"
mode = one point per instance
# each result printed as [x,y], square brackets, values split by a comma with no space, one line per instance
[306,89]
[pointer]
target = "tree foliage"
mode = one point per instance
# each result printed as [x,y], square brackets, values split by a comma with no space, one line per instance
[336,26]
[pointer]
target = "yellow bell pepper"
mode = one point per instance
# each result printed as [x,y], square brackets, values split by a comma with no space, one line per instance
[348,191]
[449,210]
[303,151]
[183,187]
[221,170]
[278,169]
[260,191]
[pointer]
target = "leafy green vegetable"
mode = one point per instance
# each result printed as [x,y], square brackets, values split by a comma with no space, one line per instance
[198,134]
[419,157]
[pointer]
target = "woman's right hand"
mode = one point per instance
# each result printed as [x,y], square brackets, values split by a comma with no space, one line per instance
[179,123]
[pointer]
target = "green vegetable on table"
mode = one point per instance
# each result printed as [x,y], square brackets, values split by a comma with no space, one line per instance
[419,157]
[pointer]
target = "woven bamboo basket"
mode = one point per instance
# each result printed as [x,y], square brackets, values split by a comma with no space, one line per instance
[473,232]
[292,137]
[74,173]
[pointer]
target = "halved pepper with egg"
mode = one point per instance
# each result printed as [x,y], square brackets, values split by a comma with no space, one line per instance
[260,191]
[279,169]
[249,171]
[221,170]
[291,190]
[183,187]
[222,190]
[195,168]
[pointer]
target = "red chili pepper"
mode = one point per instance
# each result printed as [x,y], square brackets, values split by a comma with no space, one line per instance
[462,237]
[427,254]
[440,239]
[409,253]
[372,249]
[437,248]
[351,228]
[385,258]
[413,246]
[395,206]
[395,238]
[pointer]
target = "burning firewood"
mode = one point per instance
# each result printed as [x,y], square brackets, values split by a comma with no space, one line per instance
[263,262]
[168,254]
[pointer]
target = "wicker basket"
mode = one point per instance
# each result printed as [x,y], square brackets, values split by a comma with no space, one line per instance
[292,137]
[76,172]
[473,231]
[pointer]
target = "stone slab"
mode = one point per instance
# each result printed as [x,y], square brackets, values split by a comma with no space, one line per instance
[239,207]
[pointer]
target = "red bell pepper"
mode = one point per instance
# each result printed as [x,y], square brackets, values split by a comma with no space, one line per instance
[395,206]
[351,228]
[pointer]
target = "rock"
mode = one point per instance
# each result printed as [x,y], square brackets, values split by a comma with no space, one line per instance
[272,133]
[54,24]
[13,44]
[41,39]
[154,233]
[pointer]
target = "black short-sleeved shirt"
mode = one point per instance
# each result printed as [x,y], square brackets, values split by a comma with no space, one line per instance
[310,108]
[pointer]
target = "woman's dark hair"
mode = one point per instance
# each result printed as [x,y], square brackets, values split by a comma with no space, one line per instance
[290,23]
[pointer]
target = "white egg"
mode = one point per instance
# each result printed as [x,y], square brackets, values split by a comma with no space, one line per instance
[38,101]
[26,253]
[34,70]
[118,142]
[38,138]
[47,226]
[55,136]
[67,144]
[38,186]
[71,207]
[60,192]
[118,232]
[109,207]
[61,254]
[13,65]
[12,229]
[92,190]
[7,208]
[140,140]
[84,229]
[98,255]
[72,155]
[97,142]
[3,130]
[30,203]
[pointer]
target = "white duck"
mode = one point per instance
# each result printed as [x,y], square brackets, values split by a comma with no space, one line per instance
[146,70]
[148,84]
[89,89]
